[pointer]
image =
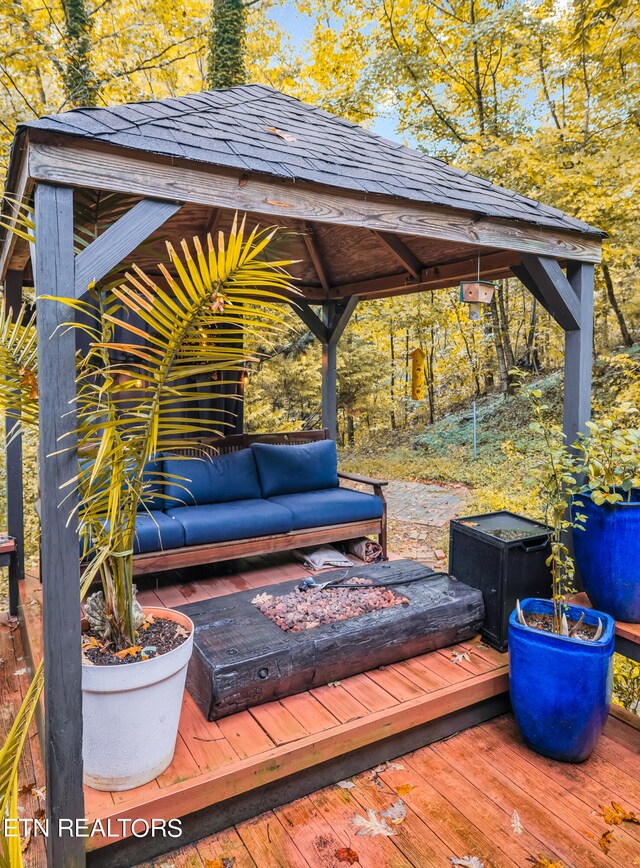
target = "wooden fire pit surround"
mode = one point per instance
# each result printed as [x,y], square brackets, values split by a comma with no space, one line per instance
[241,658]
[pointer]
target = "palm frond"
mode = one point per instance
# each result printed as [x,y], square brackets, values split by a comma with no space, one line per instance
[10,754]
[19,366]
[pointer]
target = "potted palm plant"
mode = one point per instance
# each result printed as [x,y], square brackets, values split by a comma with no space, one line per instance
[561,656]
[208,317]
[608,554]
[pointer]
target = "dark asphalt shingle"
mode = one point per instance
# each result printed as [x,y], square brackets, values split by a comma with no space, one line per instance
[230,128]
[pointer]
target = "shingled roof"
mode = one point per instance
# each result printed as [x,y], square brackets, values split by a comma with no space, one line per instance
[254,128]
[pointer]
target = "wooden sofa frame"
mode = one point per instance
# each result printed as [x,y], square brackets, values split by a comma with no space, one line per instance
[188,556]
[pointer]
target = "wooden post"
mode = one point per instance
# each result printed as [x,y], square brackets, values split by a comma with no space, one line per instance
[60,548]
[329,376]
[578,355]
[13,452]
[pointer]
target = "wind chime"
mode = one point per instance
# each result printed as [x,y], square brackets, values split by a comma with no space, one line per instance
[475,293]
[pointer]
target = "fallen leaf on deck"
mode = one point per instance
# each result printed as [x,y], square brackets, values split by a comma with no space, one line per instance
[616,814]
[458,656]
[388,766]
[22,671]
[278,204]
[25,842]
[516,823]
[543,862]
[372,825]
[346,785]
[403,789]
[605,841]
[40,792]
[286,136]
[468,862]
[397,813]
[261,598]
[129,652]
[346,854]
[334,684]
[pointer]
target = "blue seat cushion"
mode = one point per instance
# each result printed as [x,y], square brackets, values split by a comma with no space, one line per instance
[156,531]
[331,506]
[292,469]
[211,480]
[217,522]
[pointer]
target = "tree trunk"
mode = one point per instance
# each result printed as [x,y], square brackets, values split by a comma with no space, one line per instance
[431,391]
[505,338]
[393,379]
[350,430]
[79,82]
[226,59]
[613,301]
[503,370]
[533,359]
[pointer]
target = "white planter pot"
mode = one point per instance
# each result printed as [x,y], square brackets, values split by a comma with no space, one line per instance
[131,713]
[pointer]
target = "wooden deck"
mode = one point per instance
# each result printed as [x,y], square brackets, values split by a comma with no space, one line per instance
[294,746]
[479,794]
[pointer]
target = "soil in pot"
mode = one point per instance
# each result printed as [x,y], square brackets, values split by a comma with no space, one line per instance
[157,636]
[585,632]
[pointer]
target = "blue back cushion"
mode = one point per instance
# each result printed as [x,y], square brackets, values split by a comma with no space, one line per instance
[293,469]
[212,480]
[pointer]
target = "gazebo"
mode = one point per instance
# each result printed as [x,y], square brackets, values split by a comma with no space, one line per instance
[372,219]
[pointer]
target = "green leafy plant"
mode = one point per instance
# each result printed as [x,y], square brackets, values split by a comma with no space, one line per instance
[138,397]
[626,683]
[611,455]
[557,480]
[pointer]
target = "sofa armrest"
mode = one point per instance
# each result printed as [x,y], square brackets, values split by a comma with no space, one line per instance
[364,480]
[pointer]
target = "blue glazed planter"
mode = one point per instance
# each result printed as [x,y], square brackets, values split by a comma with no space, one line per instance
[560,687]
[607,554]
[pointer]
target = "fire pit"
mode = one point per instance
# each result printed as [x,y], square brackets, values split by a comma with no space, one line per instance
[307,609]
[243,657]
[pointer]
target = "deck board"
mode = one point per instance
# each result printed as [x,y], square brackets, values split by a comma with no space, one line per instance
[217,761]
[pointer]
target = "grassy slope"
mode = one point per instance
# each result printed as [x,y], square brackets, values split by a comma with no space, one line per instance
[500,476]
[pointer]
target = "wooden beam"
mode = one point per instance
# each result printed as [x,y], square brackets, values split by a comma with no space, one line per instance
[60,546]
[341,317]
[311,320]
[315,257]
[329,375]
[119,240]
[559,298]
[10,241]
[578,354]
[110,168]
[526,280]
[13,458]
[401,252]
[432,277]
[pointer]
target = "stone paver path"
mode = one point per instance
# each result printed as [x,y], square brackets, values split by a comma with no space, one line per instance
[419,515]
[424,503]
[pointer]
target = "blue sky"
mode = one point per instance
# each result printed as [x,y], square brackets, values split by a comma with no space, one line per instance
[300,28]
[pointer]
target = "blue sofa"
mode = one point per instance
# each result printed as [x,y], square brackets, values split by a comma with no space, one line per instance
[259,498]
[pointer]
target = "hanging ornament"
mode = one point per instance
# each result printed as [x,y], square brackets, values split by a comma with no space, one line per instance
[418,378]
[475,293]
